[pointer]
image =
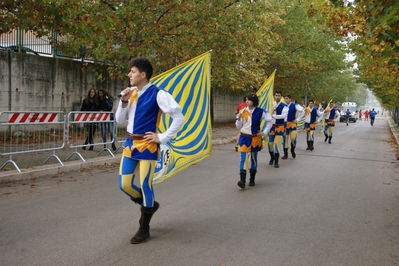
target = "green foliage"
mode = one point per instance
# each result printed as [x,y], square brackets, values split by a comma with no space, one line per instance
[248,39]
[375,27]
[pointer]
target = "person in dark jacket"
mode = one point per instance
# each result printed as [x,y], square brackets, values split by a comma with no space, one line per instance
[90,104]
[106,102]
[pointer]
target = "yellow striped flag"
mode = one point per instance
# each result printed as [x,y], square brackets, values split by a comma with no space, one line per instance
[189,83]
[265,93]
[265,96]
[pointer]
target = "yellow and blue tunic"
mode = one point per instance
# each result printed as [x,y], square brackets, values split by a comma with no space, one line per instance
[249,142]
[311,115]
[329,122]
[295,113]
[277,131]
[143,114]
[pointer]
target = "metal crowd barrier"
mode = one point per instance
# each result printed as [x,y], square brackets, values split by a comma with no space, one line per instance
[38,131]
[84,130]
[120,135]
[31,131]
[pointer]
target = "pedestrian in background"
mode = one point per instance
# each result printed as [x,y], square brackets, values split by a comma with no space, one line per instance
[373,113]
[142,106]
[347,116]
[90,104]
[248,121]
[366,115]
[106,103]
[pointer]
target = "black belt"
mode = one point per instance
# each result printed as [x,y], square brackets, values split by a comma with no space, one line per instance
[135,136]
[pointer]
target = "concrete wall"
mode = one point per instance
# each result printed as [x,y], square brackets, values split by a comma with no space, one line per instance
[36,83]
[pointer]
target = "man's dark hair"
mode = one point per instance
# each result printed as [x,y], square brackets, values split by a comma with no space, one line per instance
[143,65]
[278,92]
[288,96]
[310,101]
[254,98]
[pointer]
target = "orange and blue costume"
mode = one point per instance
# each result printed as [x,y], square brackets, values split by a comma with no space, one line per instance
[143,115]
[329,122]
[277,132]
[249,142]
[311,115]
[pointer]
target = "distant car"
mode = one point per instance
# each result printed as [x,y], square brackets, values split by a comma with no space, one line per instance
[22,49]
[352,109]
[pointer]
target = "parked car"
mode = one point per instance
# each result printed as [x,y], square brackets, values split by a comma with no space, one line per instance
[21,49]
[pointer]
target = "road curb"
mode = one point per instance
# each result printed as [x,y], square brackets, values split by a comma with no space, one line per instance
[394,129]
[57,169]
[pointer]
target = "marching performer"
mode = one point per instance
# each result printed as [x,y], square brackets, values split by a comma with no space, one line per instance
[331,115]
[295,113]
[248,121]
[142,106]
[276,134]
[311,114]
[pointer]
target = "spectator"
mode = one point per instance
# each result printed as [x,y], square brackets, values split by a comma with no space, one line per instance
[106,102]
[90,104]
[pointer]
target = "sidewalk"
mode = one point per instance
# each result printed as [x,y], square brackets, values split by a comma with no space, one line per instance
[31,164]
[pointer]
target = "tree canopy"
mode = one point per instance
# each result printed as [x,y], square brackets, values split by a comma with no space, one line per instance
[372,30]
[248,39]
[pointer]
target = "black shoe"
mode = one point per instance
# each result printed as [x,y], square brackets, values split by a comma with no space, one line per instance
[241,184]
[91,148]
[113,147]
[83,148]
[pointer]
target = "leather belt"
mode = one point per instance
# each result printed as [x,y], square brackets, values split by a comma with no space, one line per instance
[248,135]
[135,136]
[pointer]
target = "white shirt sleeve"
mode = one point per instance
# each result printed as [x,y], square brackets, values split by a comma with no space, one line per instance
[337,114]
[268,119]
[283,115]
[170,106]
[301,112]
[121,114]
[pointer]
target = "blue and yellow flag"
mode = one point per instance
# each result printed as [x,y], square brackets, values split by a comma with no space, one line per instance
[190,85]
[265,96]
[265,93]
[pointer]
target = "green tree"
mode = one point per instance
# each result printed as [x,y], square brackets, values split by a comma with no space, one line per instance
[248,39]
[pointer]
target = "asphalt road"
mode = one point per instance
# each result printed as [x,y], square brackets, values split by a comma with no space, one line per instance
[336,205]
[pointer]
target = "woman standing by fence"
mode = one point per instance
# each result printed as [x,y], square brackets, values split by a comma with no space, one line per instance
[106,102]
[90,104]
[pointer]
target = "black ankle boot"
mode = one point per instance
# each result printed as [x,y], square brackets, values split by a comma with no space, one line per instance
[311,145]
[326,137]
[271,157]
[308,148]
[329,139]
[144,231]
[156,207]
[293,151]
[252,173]
[285,154]
[276,160]
[243,176]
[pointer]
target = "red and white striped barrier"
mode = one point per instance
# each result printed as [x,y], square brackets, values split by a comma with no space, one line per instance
[92,117]
[28,118]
